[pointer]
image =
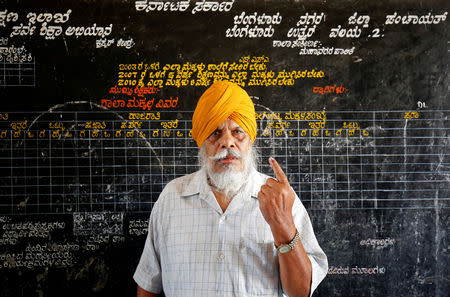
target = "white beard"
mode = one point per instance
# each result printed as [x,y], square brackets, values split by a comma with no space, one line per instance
[229,181]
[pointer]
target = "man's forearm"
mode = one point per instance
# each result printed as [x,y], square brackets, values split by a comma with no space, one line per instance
[143,293]
[295,266]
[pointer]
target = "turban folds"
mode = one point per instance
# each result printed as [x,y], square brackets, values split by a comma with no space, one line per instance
[220,101]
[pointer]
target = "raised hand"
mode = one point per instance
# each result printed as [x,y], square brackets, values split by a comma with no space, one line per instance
[276,199]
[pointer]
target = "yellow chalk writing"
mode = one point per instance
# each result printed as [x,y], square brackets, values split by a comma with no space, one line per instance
[247,71]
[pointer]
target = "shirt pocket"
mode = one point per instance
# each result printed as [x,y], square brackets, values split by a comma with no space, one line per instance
[187,248]
[259,272]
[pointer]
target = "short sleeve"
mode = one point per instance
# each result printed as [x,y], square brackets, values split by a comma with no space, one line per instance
[148,271]
[315,253]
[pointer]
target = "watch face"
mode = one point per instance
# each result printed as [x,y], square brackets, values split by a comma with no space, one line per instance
[284,249]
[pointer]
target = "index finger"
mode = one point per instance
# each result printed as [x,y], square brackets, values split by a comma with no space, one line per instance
[279,173]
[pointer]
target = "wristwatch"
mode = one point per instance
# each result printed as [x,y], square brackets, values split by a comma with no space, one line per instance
[286,248]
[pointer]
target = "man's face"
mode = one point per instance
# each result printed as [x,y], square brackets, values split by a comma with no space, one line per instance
[228,135]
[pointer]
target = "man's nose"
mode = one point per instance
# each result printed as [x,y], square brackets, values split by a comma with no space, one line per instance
[226,140]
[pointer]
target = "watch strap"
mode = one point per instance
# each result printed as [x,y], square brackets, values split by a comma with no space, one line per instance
[286,248]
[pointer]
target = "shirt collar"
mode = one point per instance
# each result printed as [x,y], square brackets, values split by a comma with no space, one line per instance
[254,183]
[197,185]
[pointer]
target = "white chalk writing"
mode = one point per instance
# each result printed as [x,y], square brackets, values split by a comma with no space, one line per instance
[377,243]
[138,227]
[255,25]
[199,6]
[356,270]
[148,6]
[98,223]
[428,19]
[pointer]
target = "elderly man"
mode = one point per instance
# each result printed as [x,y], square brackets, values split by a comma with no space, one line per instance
[227,230]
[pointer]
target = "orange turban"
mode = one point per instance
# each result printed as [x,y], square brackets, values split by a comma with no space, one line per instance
[223,100]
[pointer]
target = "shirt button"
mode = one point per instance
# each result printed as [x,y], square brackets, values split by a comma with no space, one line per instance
[221,257]
[221,219]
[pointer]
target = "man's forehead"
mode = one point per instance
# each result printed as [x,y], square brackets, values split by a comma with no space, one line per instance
[231,124]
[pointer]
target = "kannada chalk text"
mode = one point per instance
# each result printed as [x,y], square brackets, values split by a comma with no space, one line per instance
[182,6]
[244,24]
[140,103]
[330,90]
[357,26]
[377,243]
[142,125]
[247,71]
[356,270]
[253,25]
[138,227]
[411,115]
[426,19]
[12,54]
[52,26]
[139,91]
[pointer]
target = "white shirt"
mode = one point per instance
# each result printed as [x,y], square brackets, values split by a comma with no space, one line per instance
[195,249]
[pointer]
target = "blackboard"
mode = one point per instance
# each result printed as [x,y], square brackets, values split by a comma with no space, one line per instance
[96,102]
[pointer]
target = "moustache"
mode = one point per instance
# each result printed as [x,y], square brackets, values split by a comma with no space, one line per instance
[226,152]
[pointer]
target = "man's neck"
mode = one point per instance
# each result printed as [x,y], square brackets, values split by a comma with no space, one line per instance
[222,199]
